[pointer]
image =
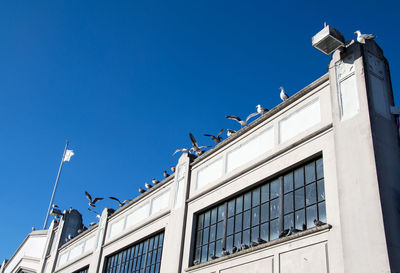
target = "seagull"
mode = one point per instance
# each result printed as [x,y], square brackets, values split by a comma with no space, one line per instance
[213,257]
[217,139]
[284,96]
[195,147]
[362,37]
[92,224]
[154,181]
[244,246]
[141,190]
[147,185]
[261,110]
[54,206]
[230,132]
[284,233]
[318,223]
[234,249]
[242,122]
[92,202]
[196,262]
[165,174]
[292,231]
[120,204]
[261,240]
[173,169]
[253,244]
[225,252]
[183,150]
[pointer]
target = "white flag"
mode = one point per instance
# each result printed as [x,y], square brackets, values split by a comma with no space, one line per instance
[68,154]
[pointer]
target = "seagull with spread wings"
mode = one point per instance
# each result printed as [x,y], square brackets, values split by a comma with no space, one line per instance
[242,122]
[183,150]
[120,204]
[217,139]
[195,147]
[92,202]
[362,37]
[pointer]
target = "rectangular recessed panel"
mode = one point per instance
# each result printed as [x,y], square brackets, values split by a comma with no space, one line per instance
[138,215]
[75,251]
[258,266]
[309,259]
[349,97]
[89,245]
[209,173]
[117,227]
[160,202]
[299,121]
[251,149]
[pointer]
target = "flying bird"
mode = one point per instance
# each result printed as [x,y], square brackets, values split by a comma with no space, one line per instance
[94,201]
[195,146]
[261,110]
[362,37]
[217,139]
[120,204]
[165,174]
[183,150]
[230,132]
[141,190]
[242,122]
[154,181]
[284,96]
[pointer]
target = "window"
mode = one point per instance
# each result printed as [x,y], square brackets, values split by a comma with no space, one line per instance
[83,270]
[292,200]
[143,257]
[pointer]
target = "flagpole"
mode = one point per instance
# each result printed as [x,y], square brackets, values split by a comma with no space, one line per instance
[55,186]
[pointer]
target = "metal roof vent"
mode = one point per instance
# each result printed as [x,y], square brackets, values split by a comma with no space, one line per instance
[328,40]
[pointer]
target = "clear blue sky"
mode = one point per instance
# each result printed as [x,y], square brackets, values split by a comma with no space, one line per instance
[126,81]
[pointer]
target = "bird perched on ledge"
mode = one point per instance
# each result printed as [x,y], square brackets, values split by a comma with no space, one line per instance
[141,190]
[362,37]
[165,174]
[217,139]
[261,110]
[283,95]
[230,132]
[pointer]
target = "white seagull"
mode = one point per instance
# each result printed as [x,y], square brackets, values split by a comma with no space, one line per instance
[284,96]
[242,122]
[261,110]
[183,150]
[230,132]
[362,37]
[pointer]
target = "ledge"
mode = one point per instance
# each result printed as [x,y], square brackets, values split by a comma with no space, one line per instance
[261,246]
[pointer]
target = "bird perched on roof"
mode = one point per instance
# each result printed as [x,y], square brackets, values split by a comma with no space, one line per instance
[154,181]
[92,224]
[195,147]
[217,139]
[242,122]
[165,174]
[230,132]
[284,96]
[224,252]
[183,150]
[261,110]
[94,201]
[141,190]
[120,204]
[173,168]
[362,37]
[147,185]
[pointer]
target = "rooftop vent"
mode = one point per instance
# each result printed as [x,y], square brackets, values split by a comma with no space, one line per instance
[328,40]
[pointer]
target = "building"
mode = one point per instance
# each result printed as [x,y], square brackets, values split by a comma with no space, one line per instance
[310,186]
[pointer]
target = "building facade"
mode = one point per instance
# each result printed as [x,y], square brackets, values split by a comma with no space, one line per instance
[310,186]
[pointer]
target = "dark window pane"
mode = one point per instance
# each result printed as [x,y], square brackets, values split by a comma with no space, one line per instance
[320,169]
[207,219]
[299,199]
[238,239]
[221,212]
[256,197]
[211,249]
[274,230]
[239,204]
[288,203]
[321,190]
[153,261]
[246,219]
[230,226]
[264,231]
[274,208]
[213,232]
[238,222]
[255,233]
[218,248]
[229,243]
[161,240]
[159,251]
[231,208]
[214,213]
[247,200]
[204,254]
[311,213]
[299,219]
[156,241]
[200,221]
[288,221]
[246,237]
[151,241]
[310,172]
[198,237]
[288,182]
[255,218]
[157,268]
[205,235]
[197,255]
[298,178]
[264,212]
[265,193]
[220,230]
[275,188]
[322,212]
[311,195]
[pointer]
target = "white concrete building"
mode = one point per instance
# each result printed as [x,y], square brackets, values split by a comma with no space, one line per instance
[329,153]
